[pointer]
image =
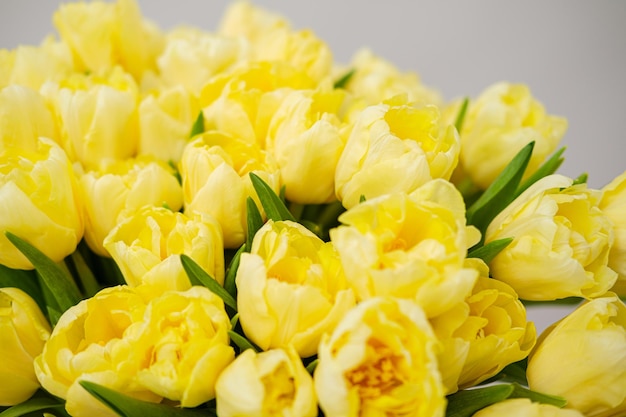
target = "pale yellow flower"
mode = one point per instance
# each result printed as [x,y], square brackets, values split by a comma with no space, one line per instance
[408,246]
[561,242]
[523,407]
[498,124]
[23,333]
[23,65]
[24,117]
[181,345]
[613,205]
[215,170]
[147,246]
[271,383]
[102,35]
[192,57]
[483,334]
[380,360]
[87,343]
[242,103]
[96,115]
[242,18]
[306,136]
[395,146]
[291,288]
[376,80]
[122,188]
[583,358]
[40,203]
[165,121]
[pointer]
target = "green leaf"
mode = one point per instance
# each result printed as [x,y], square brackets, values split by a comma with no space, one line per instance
[490,250]
[32,405]
[514,372]
[234,321]
[254,220]
[362,199]
[198,276]
[342,82]
[272,204]
[175,171]
[25,281]
[547,168]
[501,192]
[466,402]
[198,125]
[60,285]
[310,368]
[87,279]
[538,397]
[241,342]
[126,406]
[460,118]
[230,284]
[581,179]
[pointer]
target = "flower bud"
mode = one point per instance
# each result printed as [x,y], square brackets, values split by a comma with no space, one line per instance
[291,288]
[24,117]
[613,205]
[147,246]
[268,383]
[134,183]
[23,333]
[593,337]
[217,164]
[40,203]
[395,147]
[306,137]
[561,242]
[97,116]
[498,124]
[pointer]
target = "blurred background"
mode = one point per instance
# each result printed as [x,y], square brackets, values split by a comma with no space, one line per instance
[571,53]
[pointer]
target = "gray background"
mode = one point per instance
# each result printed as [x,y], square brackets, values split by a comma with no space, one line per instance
[572,55]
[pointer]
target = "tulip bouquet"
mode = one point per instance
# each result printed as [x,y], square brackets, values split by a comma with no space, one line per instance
[232,224]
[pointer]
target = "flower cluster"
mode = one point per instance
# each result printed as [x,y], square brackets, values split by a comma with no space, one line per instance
[231,223]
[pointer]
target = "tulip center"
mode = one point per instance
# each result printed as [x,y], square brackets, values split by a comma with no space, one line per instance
[280,391]
[378,374]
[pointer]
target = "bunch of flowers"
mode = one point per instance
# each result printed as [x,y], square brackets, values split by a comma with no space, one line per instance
[232,224]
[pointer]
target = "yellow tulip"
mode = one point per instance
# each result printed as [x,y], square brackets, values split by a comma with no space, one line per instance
[88,344]
[217,164]
[483,334]
[380,360]
[242,18]
[583,358]
[192,57]
[408,246]
[498,124]
[306,136]
[24,117]
[182,345]
[23,332]
[291,288]
[97,116]
[102,35]
[262,384]
[122,188]
[396,146]
[40,203]
[376,80]
[523,407]
[165,121]
[242,103]
[147,246]
[613,205]
[561,242]
[22,65]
